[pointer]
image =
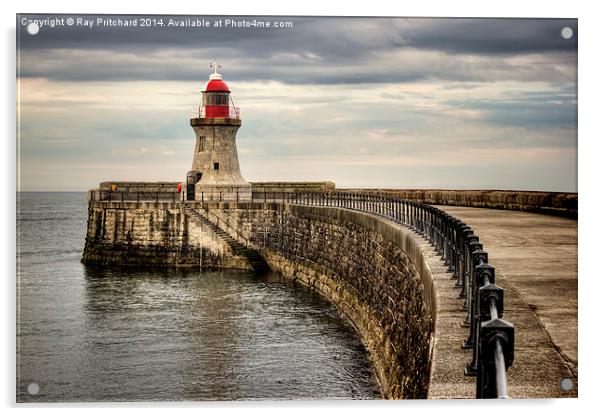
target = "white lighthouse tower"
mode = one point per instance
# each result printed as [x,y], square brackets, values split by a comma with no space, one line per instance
[215,174]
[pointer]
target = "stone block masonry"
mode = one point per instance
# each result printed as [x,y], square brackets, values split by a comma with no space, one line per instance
[152,234]
[371,271]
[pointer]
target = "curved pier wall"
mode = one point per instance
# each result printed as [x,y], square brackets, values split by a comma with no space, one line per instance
[372,271]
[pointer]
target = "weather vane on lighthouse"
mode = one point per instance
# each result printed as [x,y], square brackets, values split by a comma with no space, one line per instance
[214,65]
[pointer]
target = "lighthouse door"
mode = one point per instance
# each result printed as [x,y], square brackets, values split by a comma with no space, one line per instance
[190,192]
[191,179]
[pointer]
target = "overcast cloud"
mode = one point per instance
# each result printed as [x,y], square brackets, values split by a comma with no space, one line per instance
[381,102]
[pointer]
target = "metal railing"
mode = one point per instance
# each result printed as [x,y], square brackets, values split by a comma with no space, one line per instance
[490,337]
[219,222]
[219,196]
[201,112]
[126,196]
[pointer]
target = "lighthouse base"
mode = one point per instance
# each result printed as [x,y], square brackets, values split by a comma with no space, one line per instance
[223,193]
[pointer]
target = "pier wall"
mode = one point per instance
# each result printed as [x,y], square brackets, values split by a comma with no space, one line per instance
[562,204]
[373,272]
[152,234]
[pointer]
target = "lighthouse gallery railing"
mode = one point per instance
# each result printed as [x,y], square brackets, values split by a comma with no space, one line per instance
[490,338]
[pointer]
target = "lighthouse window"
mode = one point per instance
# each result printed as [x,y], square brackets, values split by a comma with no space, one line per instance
[202,143]
[215,99]
[215,166]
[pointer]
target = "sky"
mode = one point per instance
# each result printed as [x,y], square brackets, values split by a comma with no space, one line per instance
[364,102]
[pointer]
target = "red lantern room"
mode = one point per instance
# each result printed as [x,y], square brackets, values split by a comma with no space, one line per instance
[216,98]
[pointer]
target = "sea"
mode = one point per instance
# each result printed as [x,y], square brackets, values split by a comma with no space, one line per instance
[93,334]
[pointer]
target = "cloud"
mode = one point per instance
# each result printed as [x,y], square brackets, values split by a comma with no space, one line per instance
[363,102]
[314,50]
[316,37]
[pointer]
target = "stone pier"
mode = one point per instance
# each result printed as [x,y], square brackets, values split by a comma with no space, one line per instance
[386,279]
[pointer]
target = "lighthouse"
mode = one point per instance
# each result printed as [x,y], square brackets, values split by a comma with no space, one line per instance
[215,173]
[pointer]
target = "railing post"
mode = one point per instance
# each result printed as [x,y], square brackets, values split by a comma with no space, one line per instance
[461,283]
[459,226]
[459,245]
[438,238]
[445,227]
[472,244]
[483,273]
[419,216]
[497,354]
[479,257]
[429,220]
[424,209]
[415,214]
[402,205]
[451,258]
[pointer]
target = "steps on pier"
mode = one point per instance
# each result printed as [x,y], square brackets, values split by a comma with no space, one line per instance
[255,259]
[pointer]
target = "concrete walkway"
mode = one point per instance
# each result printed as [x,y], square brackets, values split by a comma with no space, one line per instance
[535,257]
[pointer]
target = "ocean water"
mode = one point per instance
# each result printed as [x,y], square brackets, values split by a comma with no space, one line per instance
[98,334]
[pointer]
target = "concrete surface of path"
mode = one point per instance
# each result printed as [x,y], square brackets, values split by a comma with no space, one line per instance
[535,259]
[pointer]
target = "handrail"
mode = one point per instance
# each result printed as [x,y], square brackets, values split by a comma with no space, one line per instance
[490,337]
[123,196]
[201,111]
[205,208]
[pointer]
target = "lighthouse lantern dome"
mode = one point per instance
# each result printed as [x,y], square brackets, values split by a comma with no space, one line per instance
[216,96]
